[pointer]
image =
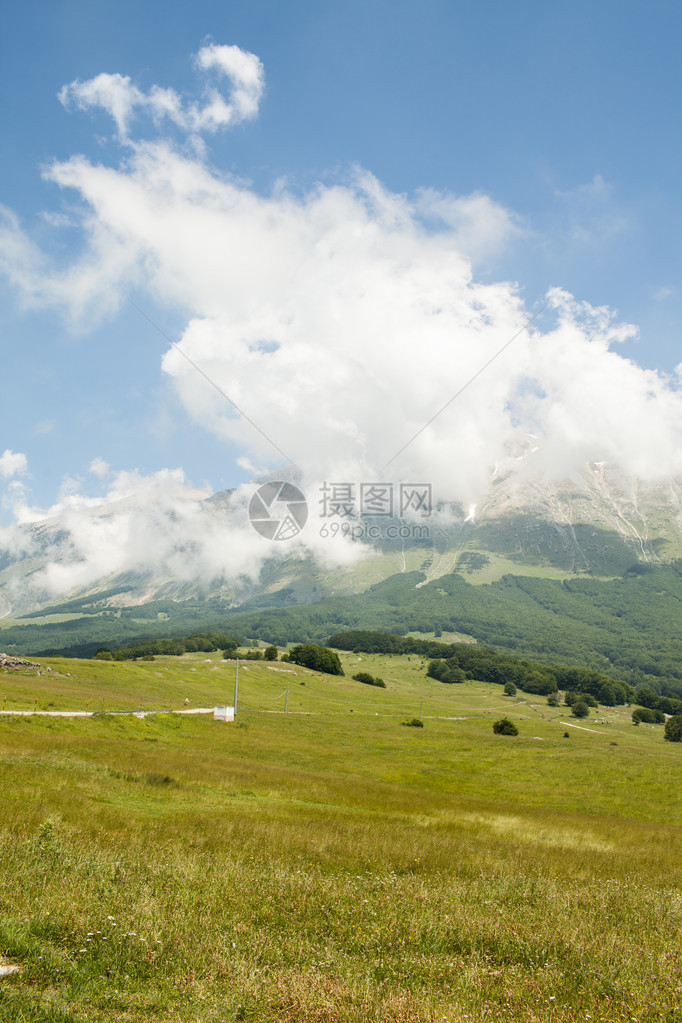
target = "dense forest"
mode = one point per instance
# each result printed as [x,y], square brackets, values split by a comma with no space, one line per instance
[456,662]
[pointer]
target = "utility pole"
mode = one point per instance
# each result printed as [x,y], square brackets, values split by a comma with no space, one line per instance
[236,686]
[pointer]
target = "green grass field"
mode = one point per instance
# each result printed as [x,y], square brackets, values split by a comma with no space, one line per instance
[330,864]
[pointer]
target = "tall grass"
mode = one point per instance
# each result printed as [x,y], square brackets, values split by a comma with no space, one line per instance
[338,868]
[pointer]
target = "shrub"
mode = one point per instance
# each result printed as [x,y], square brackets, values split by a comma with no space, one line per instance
[413,723]
[580,709]
[553,700]
[270,653]
[505,727]
[673,729]
[369,680]
[364,676]
[510,689]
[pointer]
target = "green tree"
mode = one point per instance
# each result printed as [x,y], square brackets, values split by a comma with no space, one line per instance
[553,700]
[270,653]
[318,658]
[580,709]
[505,727]
[645,697]
[607,694]
[510,689]
[650,717]
[673,729]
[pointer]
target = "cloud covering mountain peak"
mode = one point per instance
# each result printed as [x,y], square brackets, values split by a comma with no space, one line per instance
[339,318]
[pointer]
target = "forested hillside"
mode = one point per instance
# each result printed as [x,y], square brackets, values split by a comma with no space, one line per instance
[627,627]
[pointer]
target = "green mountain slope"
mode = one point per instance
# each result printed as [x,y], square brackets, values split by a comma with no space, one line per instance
[581,571]
[628,627]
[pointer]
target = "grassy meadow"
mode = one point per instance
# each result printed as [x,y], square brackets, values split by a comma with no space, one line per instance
[330,864]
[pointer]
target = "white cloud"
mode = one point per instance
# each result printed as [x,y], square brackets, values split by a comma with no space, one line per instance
[480,227]
[245,71]
[156,524]
[44,426]
[248,465]
[12,463]
[122,99]
[98,467]
[593,215]
[596,190]
[339,321]
[665,292]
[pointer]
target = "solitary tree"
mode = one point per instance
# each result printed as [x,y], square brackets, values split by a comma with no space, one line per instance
[505,727]
[510,689]
[673,729]
[580,709]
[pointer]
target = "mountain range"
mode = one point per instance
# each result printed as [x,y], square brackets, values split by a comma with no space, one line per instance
[595,529]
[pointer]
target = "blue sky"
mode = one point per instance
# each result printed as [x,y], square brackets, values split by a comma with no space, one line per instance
[566,117]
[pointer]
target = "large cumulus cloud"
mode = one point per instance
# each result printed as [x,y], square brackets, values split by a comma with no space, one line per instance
[341,319]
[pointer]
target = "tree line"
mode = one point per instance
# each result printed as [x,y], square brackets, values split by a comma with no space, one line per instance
[206,642]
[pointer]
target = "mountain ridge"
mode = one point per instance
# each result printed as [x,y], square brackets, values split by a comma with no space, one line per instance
[597,522]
